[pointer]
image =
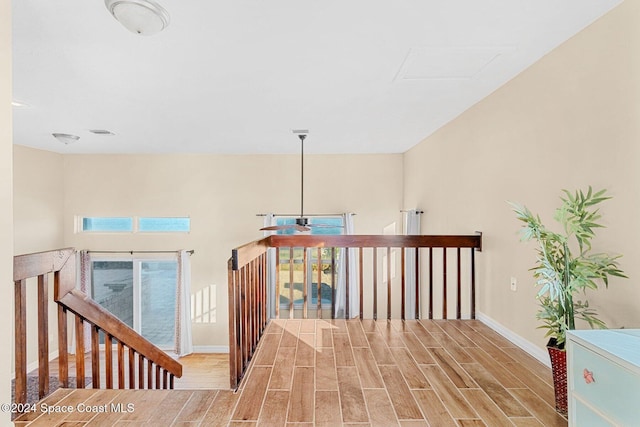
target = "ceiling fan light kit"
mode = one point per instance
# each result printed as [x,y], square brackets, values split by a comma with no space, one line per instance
[144,17]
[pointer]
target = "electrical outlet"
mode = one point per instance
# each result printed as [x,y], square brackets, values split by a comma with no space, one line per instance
[514,284]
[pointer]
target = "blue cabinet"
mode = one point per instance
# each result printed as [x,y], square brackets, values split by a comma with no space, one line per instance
[603,374]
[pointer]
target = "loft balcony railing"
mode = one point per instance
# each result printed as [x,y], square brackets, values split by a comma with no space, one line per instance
[312,276]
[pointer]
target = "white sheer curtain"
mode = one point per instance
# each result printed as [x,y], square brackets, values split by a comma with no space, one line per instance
[272,298]
[85,286]
[341,294]
[412,227]
[184,341]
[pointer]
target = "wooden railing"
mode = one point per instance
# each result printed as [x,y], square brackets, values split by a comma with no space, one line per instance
[136,358]
[441,275]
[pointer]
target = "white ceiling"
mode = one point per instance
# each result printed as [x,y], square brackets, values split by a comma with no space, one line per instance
[235,76]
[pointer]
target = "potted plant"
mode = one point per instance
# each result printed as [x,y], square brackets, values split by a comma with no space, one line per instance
[565,268]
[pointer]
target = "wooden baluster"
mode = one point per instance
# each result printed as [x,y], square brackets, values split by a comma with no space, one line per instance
[262,286]
[417,284]
[291,284]
[141,384]
[444,283]
[43,335]
[21,341]
[238,328]
[473,283]
[403,290]
[319,285]
[243,317]
[361,287]
[375,283]
[388,283]
[305,282]
[233,327]
[347,284]
[158,382]
[108,360]
[79,324]
[120,348]
[277,295]
[254,304]
[265,278]
[255,312]
[251,302]
[171,381]
[333,283]
[63,353]
[149,374]
[459,297]
[430,283]
[247,313]
[95,357]
[132,368]
[165,379]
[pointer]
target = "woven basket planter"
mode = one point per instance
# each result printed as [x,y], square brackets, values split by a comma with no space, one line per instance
[559,370]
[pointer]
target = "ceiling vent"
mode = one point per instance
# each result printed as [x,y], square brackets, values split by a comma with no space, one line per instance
[101,132]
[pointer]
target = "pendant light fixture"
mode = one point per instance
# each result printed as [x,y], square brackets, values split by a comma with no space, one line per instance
[144,17]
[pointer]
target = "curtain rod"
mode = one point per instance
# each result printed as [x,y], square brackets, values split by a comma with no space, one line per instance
[306,214]
[190,252]
[409,210]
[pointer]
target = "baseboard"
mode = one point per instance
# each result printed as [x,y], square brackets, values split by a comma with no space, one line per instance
[35,365]
[211,349]
[533,350]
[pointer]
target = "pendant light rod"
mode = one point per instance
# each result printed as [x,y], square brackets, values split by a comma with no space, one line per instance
[302,137]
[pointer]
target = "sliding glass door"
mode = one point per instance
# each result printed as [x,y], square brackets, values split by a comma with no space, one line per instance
[141,293]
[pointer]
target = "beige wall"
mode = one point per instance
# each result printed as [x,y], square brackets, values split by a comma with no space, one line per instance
[6,208]
[38,200]
[569,121]
[222,195]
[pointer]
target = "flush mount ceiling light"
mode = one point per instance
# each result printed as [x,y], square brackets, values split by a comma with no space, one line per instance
[66,138]
[144,17]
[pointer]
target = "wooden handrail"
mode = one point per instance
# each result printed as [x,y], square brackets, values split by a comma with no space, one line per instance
[242,255]
[86,312]
[375,241]
[86,308]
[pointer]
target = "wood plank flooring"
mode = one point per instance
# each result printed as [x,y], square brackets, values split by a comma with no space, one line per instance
[351,373]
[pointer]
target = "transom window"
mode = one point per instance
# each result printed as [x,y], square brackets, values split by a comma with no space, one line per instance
[86,224]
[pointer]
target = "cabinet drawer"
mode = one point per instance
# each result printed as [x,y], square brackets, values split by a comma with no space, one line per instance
[584,416]
[614,391]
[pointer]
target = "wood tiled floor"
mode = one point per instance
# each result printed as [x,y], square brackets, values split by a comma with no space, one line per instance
[331,373]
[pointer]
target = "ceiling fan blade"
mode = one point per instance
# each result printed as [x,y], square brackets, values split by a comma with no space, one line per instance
[285,227]
[277,227]
[324,226]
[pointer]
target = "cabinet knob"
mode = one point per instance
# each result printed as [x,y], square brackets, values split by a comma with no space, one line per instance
[588,376]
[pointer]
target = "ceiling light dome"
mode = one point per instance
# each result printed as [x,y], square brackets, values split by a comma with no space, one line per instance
[144,17]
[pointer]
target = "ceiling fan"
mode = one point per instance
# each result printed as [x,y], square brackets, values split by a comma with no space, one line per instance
[302,223]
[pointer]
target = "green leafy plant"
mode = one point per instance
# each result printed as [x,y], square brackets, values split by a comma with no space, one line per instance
[565,265]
